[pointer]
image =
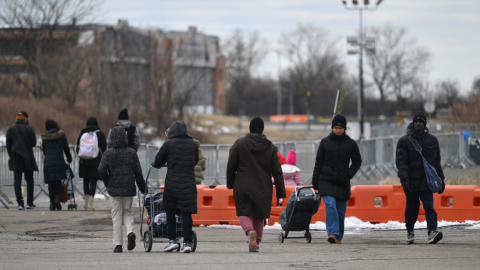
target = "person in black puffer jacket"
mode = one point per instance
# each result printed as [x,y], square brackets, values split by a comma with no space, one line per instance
[120,169]
[20,140]
[180,153]
[88,168]
[332,174]
[54,145]
[412,176]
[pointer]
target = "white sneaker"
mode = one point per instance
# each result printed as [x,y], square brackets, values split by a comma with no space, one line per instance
[434,237]
[410,237]
[172,245]
[187,248]
[21,207]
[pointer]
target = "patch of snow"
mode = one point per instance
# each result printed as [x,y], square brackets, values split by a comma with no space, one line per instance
[3,138]
[209,123]
[158,142]
[353,224]
[140,125]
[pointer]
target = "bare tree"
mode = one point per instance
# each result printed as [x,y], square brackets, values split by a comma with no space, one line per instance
[475,86]
[244,51]
[315,67]
[398,63]
[447,93]
[42,33]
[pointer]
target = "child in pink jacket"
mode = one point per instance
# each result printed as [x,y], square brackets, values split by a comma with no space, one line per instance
[291,173]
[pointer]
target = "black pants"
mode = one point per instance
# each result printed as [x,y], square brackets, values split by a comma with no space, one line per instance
[172,226]
[89,186]
[18,186]
[413,206]
[54,191]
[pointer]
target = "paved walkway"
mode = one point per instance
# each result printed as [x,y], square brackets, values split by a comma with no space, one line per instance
[43,239]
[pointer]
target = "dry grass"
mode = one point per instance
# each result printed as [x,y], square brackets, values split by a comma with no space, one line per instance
[390,181]
[471,180]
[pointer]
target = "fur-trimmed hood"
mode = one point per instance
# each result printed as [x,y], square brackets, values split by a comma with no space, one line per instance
[52,134]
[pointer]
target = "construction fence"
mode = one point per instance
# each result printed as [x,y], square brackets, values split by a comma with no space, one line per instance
[378,161]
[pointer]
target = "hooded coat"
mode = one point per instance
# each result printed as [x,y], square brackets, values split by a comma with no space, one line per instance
[54,145]
[201,165]
[180,153]
[252,162]
[332,172]
[88,168]
[132,131]
[20,140]
[409,162]
[120,167]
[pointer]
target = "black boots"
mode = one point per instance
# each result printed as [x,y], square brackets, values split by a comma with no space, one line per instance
[57,202]
[118,249]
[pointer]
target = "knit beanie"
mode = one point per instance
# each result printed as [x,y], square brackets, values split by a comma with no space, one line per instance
[292,158]
[339,120]
[256,125]
[420,116]
[92,121]
[123,115]
[22,116]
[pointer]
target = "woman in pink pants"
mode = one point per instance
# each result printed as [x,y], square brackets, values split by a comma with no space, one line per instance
[252,161]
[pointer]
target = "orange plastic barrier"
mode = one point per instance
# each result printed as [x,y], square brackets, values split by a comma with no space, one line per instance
[376,204]
[289,118]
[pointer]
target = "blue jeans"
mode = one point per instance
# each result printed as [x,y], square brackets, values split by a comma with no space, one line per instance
[17,176]
[335,216]
[172,226]
[413,206]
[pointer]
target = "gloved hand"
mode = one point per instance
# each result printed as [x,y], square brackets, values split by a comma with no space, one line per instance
[404,183]
[443,188]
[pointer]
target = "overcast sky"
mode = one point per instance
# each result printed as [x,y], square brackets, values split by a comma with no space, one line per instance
[450,29]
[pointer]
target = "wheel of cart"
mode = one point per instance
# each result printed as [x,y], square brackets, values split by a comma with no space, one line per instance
[153,203]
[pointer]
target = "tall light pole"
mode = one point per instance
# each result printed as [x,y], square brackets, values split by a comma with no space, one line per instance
[363,43]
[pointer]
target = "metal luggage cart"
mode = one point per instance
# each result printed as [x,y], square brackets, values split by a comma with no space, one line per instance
[301,214]
[154,231]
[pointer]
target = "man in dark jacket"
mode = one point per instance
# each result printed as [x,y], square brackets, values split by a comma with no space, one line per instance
[132,131]
[88,168]
[332,174]
[120,169]
[180,153]
[412,176]
[20,140]
[252,162]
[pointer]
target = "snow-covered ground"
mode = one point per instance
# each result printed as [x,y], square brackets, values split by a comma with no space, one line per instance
[353,224]
[2,137]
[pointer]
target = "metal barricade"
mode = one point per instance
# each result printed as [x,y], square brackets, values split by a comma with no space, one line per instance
[306,154]
[223,151]
[209,151]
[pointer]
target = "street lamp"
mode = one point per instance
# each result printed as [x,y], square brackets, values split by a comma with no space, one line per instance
[363,43]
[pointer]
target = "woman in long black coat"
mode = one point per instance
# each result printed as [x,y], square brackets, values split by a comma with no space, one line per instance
[54,145]
[88,168]
[180,153]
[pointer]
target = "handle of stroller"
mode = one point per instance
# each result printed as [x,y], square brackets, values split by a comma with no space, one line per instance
[298,188]
[141,206]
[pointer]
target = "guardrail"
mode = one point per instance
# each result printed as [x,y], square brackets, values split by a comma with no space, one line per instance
[378,157]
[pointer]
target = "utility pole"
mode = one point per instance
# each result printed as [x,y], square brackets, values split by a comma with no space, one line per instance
[362,42]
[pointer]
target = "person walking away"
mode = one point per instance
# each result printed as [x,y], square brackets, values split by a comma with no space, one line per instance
[332,174]
[88,166]
[54,146]
[251,163]
[180,153]
[132,131]
[20,140]
[413,179]
[201,165]
[120,169]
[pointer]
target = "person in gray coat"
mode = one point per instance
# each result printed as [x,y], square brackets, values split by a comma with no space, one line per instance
[20,141]
[120,169]
[132,131]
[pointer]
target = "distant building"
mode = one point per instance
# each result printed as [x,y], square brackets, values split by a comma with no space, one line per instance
[125,66]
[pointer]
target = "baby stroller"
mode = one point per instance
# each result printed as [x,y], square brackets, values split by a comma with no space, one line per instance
[157,218]
[301,206]
[67,193]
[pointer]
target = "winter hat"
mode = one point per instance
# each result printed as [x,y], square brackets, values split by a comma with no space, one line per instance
[123,115]
[292,158]
[420,116]
[22,116]
[92,121]
[339,120]
[256,125]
